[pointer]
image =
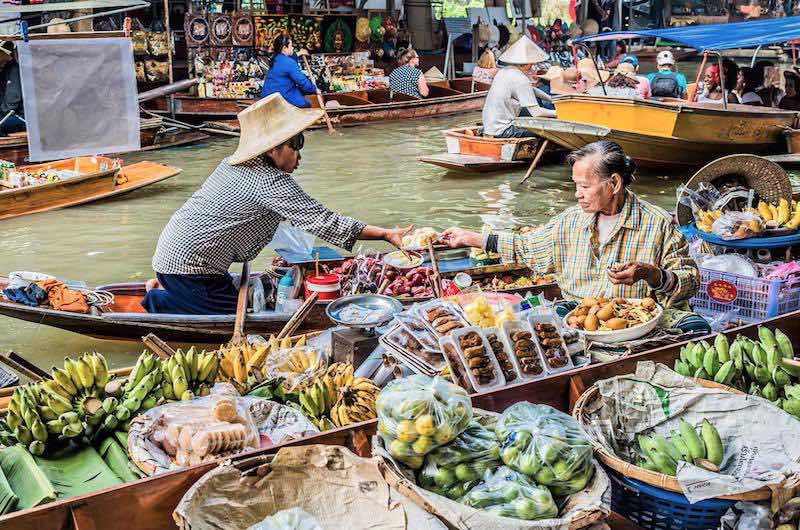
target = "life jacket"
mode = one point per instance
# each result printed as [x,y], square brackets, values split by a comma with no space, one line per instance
[665,85]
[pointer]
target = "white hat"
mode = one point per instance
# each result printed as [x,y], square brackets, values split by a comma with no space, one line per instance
[268,123]
[524,51]
[665,58]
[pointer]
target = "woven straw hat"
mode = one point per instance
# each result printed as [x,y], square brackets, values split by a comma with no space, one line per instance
[567,83]
[626,69]
[524,51]
[588,70]
[590,26]
[268,123]
[765,177]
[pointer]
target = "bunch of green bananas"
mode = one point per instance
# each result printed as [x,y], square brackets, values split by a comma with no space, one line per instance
[142,389]
[24,422]
[189,374]
[662,455]
[756,367]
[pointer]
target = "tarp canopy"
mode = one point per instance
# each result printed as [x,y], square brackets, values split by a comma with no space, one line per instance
[704,37]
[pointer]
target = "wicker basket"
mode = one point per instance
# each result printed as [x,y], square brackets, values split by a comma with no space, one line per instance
[653,478]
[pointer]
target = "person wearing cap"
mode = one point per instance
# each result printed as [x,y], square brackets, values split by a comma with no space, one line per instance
[511,91]
[643,89]
[666,81]
[235,214]
[12,111]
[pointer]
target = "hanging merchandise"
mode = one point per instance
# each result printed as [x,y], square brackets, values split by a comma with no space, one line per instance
[363,31]
[305,32]
[158,43]
[197,31]
[139,41]
[243,30]
[221,29]
[339,35]
[267,28]
[156,71]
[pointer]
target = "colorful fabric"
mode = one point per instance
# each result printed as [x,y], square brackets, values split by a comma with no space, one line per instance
[404,79]
[567,248]
[62,298]
[30,295]
[287,79]
[188,294]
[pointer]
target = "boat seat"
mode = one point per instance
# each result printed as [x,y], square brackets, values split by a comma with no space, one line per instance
[171,318]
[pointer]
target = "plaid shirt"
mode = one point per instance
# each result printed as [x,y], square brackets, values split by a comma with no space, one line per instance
[566,247]
[234,215]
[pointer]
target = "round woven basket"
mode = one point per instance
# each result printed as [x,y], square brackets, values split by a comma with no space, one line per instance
[653,478]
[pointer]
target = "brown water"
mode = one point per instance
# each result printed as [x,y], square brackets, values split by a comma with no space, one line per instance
[369,172]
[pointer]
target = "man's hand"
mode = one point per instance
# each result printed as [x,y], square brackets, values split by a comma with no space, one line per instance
[459,238]
[395,236]
[634,272]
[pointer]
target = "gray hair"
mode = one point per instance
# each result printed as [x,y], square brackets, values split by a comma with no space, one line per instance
[610,159]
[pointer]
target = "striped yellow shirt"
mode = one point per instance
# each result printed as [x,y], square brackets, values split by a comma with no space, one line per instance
[643,233]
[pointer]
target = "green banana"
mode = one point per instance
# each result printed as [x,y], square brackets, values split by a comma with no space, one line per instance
[666,447]
[110,404]
[792,369]
[747,346]
[55,426]
[780,377]
[714,450]
[682,355]
[763,375]
[722,346]
[702,374]
[693,442]
[664,463]
[769,392]
[682,368]
[750,370]
[63,379]
[680,445]
[710,362]
[767,338]
[773,358]
[737,355]
[36,447]
[784,344]
[725,373]
[759,355]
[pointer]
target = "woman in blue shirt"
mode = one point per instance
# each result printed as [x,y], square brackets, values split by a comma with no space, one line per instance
[285,76]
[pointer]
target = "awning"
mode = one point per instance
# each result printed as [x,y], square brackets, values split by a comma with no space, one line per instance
[748,34]
[7,9]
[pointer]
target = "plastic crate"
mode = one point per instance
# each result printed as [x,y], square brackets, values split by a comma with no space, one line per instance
[657,509]
[753,299]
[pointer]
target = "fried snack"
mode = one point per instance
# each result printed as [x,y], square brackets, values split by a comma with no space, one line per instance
[219,439]
[225,410]
[525,352]
[554,353]
[602,314]
[477,357]
[500,353]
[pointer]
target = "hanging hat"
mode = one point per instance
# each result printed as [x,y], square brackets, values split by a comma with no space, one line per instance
[524,51]
[434,74]
[569,83]
[590,26]
[268,123]
[586,67]
[766,178]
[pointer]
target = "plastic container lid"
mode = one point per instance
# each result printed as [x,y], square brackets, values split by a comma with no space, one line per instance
[323,279]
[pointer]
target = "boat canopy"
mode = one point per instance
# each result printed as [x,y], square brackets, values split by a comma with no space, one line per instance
[8,9]
[707,37]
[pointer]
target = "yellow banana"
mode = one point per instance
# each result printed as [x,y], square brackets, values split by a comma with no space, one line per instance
[764,211]
[773,210]
[783,211]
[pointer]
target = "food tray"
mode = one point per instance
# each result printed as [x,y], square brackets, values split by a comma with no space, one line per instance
[453,308]
[620,335]
[514,374]
[498,380]
[399,338]
[544,318]
[452,357]
[416,326]
[507,329]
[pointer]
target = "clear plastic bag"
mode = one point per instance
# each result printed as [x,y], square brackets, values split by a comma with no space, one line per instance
[291,239]
[452,469]
[297,366]
[738,225]
[508,493]
[417,414]
[546,445]
[291,519]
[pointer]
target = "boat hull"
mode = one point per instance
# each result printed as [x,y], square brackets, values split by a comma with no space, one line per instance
[470,163]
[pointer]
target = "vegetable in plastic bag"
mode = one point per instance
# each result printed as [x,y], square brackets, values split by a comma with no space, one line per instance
[507,493]
[291,519]
[417,414]
[738,225]
[546,445]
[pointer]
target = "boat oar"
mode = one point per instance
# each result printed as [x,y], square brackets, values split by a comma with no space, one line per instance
[241,304]
[158,346]
[435,279]
[299,316]
[535,161]
[321,103]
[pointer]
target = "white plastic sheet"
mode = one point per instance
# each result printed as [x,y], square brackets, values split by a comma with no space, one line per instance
[80,97]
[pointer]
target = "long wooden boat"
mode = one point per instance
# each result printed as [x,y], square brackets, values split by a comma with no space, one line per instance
[469,150]
[153,135]
[99,178]
[346,108]
[126,319]
[665,133]
[148,503]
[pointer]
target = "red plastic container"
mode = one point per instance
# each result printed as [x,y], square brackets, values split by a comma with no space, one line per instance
[327,286]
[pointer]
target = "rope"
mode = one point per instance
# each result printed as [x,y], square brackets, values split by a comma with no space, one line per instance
[97,298]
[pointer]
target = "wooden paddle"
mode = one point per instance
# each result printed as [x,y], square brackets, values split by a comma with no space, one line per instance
[535,161]
[241,304]
[319,100]
[299,316]
[158,346]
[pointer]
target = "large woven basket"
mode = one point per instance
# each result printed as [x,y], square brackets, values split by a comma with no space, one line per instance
[653,477]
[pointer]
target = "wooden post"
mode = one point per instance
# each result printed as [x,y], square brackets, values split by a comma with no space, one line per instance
[535,161]
[699,74]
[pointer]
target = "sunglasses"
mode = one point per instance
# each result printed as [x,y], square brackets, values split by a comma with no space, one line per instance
[296,142]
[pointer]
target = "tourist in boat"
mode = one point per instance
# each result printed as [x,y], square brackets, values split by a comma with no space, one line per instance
[620,52]
[644,85]
[511,92]
[750,82]
[407,78]
[12,111]
[769,78]
[666,81]
[485,69]
[612,243]
[712,90]
[791,100]
[285,77]
[235,214]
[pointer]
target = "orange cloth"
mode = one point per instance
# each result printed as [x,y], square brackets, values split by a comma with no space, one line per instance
[62,298]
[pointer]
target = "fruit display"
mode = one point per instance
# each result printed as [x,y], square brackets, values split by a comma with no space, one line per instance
[604,314]
[417,414]
[337,398]
[245,365]
[452,469]
[419,238]
[443,318]
[755,367]
[480,313]
[764,215]
[546,445]
[552,344]
[365,274]
[478,358]
[520,341]
[662,454]
[499,351]
[189,374]
[508,493]
[508,282]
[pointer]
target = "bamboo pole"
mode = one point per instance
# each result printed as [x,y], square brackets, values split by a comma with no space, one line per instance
[535,161]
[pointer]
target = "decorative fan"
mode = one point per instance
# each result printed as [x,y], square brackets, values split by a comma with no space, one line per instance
[221,29]
[197,30]
[243,30]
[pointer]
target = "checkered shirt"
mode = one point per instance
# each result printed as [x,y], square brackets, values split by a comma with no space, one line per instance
[234,215]
[566,247]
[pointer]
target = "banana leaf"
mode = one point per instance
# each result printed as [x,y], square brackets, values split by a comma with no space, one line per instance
[117,459]
[8,501]
[122,438]
[78,473]
[27,481]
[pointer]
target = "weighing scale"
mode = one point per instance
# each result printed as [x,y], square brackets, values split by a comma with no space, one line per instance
[355,341]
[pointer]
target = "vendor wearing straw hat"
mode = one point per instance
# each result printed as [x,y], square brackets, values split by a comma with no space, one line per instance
[511,91]
[235,214]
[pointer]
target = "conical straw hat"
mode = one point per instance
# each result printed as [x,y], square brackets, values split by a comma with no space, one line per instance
[524,51]
[268,123]
[434,74]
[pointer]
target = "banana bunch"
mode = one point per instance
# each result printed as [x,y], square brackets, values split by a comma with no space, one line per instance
[345,399]
[785,214]
[705,219]
[662,455]
[142,391]
[317,399]
[24,422]
[756,367]
[189,374]
[356,403]
[236,362]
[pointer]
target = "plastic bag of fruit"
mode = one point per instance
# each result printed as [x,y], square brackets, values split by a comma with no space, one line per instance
[507,493]
[417,414]
[546,445]
[452,469]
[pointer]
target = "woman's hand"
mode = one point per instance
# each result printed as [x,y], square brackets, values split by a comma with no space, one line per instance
[459,238]
[634,272]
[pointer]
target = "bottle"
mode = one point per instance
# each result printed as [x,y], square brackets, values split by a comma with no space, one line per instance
[284,288]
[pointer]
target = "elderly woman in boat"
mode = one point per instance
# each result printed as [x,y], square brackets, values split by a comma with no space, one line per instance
[612,243]
[236,213]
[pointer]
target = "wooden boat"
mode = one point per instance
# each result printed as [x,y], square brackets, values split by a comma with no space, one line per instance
[153,135]
[664,133]
[126,319]
[98,178]
[469,150]
[148,503]
[346,108]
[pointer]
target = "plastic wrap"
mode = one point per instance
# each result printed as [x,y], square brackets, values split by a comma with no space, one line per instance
[417,414]
[738,225]
[291,519]
[298,366]
[547,445]
[507,493]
